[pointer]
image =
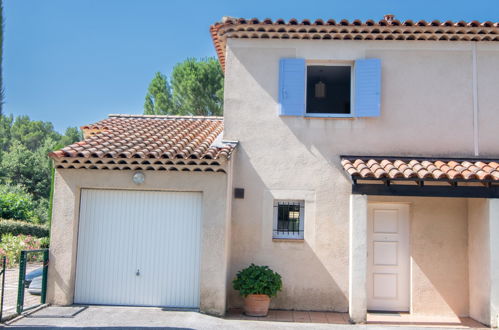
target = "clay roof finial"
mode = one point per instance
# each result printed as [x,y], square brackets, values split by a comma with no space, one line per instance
[389,17]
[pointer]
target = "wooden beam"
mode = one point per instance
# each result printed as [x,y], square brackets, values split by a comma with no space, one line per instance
[426,191]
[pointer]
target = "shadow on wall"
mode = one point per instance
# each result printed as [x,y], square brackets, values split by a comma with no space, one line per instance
[254,85]
[307,284]
[439,254]
[59,290]
[256,77]
[310,272]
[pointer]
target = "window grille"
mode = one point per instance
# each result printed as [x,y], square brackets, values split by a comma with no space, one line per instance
[288,219]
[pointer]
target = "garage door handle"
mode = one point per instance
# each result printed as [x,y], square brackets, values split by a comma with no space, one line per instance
[138,272]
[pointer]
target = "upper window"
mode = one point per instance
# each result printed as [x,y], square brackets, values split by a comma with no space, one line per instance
[328,89]
[288,219]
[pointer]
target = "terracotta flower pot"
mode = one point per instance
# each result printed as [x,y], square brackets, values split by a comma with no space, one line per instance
[256,305]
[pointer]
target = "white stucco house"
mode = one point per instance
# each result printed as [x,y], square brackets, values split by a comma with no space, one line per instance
[357,159]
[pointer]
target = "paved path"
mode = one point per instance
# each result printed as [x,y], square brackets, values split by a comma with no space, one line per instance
[10,296]
[106,317]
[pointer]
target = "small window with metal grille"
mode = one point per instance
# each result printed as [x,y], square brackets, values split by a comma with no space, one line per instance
[288,219]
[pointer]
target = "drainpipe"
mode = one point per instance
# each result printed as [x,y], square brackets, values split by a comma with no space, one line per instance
[475,99]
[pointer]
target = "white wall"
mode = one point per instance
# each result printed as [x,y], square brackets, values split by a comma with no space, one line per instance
[214,226]
[426,84]
[494,261]
[357,289]
[483,222]
[427,109]
[479,256]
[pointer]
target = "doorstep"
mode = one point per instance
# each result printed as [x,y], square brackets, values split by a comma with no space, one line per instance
[401,319]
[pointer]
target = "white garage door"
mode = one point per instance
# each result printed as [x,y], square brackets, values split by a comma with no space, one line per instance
[138,248]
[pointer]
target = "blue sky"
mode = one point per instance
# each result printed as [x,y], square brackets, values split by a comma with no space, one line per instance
[72,62]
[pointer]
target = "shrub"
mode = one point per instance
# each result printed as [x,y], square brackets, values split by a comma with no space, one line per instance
[41,211]
[16,227]
[44,242]
[12,246]
[16,203]
[257,280]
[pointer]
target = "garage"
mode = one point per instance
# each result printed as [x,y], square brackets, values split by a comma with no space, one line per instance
[138,248]
[141,214]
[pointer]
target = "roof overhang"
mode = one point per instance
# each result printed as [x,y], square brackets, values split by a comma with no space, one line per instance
[424,177]
[150,143]
[388,28]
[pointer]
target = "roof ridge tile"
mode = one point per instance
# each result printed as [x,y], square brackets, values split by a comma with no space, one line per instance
[230,27]
[131,116]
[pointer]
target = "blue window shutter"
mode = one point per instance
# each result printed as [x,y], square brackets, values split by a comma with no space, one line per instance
[367,88]
[292,87]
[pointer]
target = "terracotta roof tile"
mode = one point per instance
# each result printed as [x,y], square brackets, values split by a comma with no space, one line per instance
[150,137]
[388,28]
[394,168]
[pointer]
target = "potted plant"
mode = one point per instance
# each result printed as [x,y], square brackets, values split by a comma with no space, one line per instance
[257,284]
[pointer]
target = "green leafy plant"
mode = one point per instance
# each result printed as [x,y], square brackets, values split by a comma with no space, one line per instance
[44,242]
[25,168]
[257,280]
[17,227]
[12,246]
[15,203]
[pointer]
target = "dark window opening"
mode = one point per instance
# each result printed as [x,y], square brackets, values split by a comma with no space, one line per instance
[328,89]
[289,222]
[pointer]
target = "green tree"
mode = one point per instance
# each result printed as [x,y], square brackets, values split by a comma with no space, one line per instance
[31,133]
[5,138]
[18,167]
[1,58]
[31,169]
[72,135]
[159,96]
[196,89]
[24,145]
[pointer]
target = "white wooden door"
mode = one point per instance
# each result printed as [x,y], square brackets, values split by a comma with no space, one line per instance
[138,248]
[388,277]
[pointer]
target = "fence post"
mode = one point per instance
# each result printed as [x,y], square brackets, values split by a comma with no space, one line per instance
[22,278]
[4,260]
[44,277]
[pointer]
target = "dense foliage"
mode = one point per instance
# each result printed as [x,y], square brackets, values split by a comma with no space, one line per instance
[11,247]
[1,57]
[16,227]
[257,280]
[16,203]
[159,96]
[196,88]
[25,169]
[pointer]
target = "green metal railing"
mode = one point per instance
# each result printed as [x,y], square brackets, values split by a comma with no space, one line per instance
[22,279]
[2,273]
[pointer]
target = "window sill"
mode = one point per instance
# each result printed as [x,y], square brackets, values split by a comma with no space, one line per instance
[290,240]
[329,115]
